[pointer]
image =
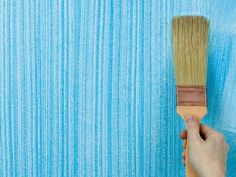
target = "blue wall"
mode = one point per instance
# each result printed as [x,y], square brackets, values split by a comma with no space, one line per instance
[87,86]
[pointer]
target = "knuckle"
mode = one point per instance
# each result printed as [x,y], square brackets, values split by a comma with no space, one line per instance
[219,136]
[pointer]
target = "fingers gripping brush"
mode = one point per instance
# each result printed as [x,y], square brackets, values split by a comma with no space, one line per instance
[190,41]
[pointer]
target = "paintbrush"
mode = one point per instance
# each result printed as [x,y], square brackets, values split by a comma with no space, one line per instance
[190,41]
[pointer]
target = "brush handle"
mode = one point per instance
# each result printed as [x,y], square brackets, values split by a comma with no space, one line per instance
[199,112]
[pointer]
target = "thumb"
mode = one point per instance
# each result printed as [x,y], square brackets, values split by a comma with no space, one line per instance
[193,127]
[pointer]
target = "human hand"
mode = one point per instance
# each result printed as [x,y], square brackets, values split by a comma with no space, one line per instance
[207,149]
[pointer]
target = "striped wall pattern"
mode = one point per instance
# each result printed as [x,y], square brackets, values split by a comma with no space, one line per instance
[87,86]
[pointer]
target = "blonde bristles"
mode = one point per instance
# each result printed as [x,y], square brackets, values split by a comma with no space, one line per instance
[190,41]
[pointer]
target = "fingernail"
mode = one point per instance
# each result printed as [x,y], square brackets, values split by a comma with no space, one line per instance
[190,119]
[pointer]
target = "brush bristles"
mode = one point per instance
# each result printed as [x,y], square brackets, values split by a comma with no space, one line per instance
[190,38]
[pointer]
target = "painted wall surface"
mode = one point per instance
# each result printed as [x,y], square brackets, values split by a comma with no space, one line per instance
[87,86]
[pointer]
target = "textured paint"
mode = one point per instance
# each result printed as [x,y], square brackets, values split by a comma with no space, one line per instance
[87,86]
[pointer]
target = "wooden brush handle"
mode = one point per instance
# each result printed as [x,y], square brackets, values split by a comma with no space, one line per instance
[199,112]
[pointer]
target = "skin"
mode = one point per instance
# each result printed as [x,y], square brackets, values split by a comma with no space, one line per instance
[207,149]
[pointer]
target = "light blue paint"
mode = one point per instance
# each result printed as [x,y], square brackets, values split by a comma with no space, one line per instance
[87,87]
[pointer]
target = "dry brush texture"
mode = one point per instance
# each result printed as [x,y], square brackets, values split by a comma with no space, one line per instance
[190,41]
